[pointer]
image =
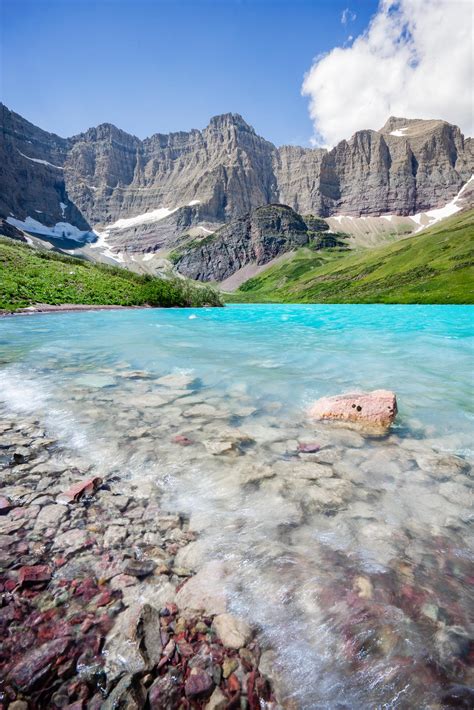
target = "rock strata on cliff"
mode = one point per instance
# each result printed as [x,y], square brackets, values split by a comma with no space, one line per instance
[105,177]
[258,237]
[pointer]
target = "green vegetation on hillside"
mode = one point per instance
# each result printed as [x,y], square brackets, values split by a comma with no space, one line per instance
[29,276]
[435,266]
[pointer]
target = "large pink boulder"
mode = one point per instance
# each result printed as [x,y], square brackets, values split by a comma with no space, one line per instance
[372,411]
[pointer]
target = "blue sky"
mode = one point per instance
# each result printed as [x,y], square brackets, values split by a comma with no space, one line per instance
[166,65]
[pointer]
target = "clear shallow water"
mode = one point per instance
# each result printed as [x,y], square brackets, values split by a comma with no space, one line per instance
[353,562]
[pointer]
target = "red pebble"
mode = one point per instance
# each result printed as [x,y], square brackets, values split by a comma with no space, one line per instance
[182,440]
[10,585]
[104,598]
[86,625]
[34,574]
[75,492]
[308,448]
[233,683]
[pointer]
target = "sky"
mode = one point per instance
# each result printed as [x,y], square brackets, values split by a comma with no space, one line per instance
[300,71]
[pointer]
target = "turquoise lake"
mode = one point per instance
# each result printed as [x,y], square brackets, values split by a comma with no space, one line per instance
[352,562]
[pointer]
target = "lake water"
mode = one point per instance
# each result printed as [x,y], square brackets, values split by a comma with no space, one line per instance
[353,562]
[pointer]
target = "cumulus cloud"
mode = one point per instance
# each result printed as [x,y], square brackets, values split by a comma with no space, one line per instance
[414,60]
[347,16]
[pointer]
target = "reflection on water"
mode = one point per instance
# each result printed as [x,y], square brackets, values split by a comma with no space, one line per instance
[353,561]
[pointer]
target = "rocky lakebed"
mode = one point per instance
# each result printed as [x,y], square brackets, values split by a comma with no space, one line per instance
[166,542]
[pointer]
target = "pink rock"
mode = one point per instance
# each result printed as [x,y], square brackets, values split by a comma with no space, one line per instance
[79,489]
[182,440]
[34,574]
[308,448]
[374,411]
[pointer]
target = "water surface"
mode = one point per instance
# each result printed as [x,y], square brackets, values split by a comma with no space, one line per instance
[352,562]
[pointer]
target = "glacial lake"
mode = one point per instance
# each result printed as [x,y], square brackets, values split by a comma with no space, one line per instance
[352,562]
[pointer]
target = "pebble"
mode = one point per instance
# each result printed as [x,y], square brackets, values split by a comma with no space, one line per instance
[139,568]
[217,701]
[232,631]
[199,684]
[50,516]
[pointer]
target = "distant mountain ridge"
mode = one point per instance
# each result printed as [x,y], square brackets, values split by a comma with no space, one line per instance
[223,172]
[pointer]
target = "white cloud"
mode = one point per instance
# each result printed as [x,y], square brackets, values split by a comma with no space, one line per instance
[414,60]
[348,16]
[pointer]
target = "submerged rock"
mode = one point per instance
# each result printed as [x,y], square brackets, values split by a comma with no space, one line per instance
[164,693]
[83,488]
[36,664]
[372,411]
[139,568]
[232,631]
[199,684]
[205,591]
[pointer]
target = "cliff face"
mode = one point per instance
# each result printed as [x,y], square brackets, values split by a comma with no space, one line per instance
[408,166]
[223,172]
[32,173]
[227,167]
[260,236]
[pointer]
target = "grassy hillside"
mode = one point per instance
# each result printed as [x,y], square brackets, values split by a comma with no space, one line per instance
[28,276]
[434,267]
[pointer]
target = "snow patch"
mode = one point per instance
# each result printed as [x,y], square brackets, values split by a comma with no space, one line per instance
[41,162]
[149,256]
[105,249]
[145,218]
[61,230]
[440,213]
[63,208]
[399,132]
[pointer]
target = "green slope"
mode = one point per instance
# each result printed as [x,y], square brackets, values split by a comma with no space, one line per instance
[433,267]
[29,276]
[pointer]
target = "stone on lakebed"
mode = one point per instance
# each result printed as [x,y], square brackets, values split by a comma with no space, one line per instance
[83,488]
[371,411]
[232,631]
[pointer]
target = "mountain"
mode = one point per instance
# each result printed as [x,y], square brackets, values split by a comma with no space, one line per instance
[142,195]
[436,266]
[260,236]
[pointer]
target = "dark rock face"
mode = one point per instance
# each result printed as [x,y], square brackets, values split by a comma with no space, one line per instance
[258,237]
[224,171]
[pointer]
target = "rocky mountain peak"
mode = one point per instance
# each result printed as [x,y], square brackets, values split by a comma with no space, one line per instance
[226,120]
[106,132]
[405,127]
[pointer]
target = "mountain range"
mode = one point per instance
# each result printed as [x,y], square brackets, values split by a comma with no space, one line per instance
[141,196]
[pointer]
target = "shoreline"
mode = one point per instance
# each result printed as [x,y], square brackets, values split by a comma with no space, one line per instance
[67,308]
[80,307]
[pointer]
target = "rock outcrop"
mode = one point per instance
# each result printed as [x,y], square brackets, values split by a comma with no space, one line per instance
[219,174]
[258,237]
